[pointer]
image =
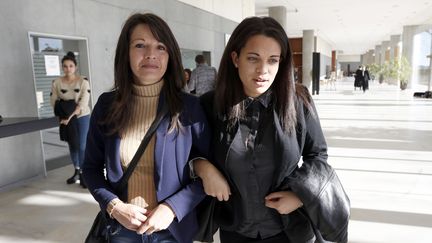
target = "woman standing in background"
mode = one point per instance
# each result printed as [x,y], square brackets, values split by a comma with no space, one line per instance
[70,95]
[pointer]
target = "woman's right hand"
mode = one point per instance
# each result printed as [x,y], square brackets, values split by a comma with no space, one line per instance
[214,182]
[129,215]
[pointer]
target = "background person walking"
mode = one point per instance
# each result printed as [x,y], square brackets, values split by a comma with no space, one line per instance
[203,77]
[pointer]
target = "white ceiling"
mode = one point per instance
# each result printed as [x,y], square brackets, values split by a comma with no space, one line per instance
[352,27]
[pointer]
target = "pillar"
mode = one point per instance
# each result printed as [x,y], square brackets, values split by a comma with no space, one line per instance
[385,52]
[408,34]
[279,13]
[394,46]
[308,43]
[378,54]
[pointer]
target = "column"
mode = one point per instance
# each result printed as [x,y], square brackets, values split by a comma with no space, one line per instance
[394,46]
[385,51]
[371,59]
[333,66]
[378,54]
[408,34]
[364,59]
[308,43]
[279,14]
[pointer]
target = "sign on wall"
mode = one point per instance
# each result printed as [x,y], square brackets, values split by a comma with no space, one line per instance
[52,65]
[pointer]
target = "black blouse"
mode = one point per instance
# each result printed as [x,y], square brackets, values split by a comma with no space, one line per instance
[250,164]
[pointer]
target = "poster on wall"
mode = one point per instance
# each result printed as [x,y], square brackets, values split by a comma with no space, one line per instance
[52,65]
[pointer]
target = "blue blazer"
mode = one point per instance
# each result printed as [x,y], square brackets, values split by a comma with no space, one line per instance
[172,153]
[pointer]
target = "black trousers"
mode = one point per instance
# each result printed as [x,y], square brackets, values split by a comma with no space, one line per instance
[233,237]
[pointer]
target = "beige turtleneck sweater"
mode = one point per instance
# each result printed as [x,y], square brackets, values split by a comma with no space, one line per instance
[141,187]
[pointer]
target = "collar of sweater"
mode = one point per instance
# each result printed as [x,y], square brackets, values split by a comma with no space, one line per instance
[150,90]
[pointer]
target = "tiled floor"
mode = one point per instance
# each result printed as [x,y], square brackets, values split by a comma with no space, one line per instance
[46,211]
[380,143]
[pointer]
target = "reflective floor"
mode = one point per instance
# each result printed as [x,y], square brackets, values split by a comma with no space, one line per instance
[380,143]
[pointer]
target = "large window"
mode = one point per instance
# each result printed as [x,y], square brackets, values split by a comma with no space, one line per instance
[421,63]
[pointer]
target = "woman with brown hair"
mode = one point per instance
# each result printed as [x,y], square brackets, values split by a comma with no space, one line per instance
[158,204]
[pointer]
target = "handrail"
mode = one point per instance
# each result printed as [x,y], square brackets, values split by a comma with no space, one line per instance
[11,126]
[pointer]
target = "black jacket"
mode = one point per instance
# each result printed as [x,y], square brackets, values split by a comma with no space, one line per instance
[326,207]
[359,78]
[69,133]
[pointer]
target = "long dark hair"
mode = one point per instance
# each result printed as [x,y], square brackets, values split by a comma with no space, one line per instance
[121,108]
[229,90]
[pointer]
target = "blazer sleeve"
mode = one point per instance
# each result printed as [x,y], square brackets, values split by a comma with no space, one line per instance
[186,199]
[94,160]
[315,182]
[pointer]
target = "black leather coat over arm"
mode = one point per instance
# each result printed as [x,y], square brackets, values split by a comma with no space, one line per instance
[315,182]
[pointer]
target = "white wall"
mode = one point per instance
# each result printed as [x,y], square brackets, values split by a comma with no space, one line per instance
[99,21]
[235,10]
[429,21]
[348,58]
[323,47]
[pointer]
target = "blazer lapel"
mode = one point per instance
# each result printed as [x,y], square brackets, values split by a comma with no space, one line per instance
[287,153]
[159,152]
[160,144]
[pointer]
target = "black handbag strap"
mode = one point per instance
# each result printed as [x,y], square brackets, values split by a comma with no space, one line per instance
[142,147]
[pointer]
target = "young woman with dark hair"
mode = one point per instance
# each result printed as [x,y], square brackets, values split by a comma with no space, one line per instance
[158,205]
[70,96]
[263,125]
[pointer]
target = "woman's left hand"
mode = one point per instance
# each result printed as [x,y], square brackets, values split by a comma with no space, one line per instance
[77,111]
[284,201]
[158,219]
[64,121]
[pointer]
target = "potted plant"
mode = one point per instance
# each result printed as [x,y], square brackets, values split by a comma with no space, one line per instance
[380,70]
[374,70]
[404,72]
[399,69]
